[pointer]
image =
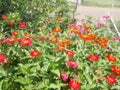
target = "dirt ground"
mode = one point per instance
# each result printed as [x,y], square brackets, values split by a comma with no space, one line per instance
[96,12]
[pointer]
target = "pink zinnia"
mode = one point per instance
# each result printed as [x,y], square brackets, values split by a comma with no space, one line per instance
[26,42]
[64,76]
[93,57]
[72,64]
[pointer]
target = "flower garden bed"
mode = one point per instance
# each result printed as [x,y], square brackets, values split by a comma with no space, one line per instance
[57,53]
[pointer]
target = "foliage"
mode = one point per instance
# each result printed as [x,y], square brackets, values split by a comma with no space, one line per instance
[40,51]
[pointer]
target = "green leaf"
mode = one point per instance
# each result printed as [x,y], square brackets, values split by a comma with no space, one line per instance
[22,80]
[54,86]
[56,72]
[1,83]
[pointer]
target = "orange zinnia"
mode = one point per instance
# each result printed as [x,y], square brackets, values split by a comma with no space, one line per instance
[54,40]
[56,29]
[116,70]
[76,31]
[87,36]
[61,48]
[14,33]
[86,27]
[111,58]
[64,42]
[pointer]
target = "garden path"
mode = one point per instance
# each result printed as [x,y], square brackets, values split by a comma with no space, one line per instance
[96,12]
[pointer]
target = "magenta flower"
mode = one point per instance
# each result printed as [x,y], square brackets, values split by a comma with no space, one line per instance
[93,57]
[64,76]
[100,23]
[72,64]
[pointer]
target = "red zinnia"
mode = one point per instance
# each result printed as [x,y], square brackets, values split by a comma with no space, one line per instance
[93,57]
[26,41]
[10,23]
[3,17]
[1,41]
[75,85]
[111,80]
[2,57]
[35,53]
[23,25]
[116,70]
[70,53]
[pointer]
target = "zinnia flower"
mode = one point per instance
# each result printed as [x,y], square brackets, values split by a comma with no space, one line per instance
[111,58]
[111,80]
[26,41]
[14,33]
[75,85]
[2,57]
[22,25]
[72,64]
[70,53]
[116,70]
[93,57]
[60,48]
[64,76]
[56,29]
[10,40]
[4,17]
[35,53]
[1,41]
[53,40]
[10,23]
